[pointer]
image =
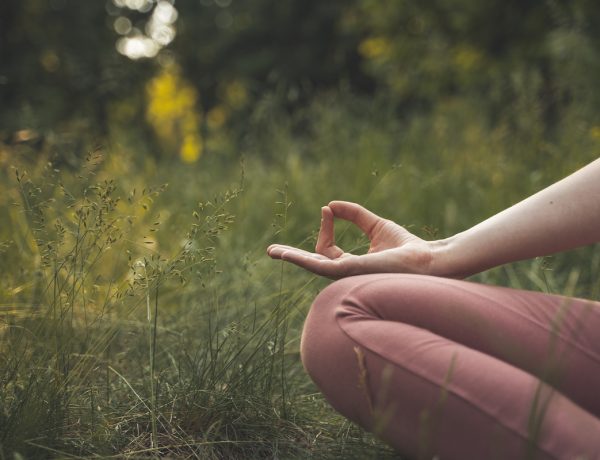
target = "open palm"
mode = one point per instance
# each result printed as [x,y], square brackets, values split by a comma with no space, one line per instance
[393,249]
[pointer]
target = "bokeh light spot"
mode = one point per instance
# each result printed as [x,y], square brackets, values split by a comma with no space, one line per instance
[138,47]
[159,28]
[165,13]
[163,34]
[122,25]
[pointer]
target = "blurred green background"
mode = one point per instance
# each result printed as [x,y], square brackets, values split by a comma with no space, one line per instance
[151,150]
[174,77]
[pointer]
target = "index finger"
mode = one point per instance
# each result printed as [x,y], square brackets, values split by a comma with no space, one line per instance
[355,213]
[326,240]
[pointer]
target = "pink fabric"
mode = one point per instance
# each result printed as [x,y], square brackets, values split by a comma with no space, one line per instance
[461,370]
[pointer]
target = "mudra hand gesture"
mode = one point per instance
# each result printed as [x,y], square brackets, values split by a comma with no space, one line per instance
[393,249]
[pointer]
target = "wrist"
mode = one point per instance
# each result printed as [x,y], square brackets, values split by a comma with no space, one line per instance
[444,262]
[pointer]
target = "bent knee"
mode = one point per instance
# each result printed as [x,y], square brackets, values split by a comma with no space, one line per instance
[358,296]
[319,327]
[322,339]
[330,356]
[325,349]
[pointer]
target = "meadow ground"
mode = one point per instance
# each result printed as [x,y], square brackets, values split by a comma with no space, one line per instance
[140,315]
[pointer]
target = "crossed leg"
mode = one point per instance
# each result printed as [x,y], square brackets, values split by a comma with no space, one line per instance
[457,369]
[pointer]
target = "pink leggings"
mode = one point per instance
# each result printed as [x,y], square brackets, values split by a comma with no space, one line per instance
[460,370]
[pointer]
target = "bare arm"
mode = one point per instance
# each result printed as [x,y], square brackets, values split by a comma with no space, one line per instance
[563,216]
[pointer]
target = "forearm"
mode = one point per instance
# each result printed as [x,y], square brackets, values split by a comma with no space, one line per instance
[563,216]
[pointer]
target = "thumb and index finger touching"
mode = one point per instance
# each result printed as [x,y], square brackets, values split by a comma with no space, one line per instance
[352,212]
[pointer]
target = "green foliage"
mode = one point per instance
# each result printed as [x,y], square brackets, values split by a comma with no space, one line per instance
[145,319]
[148,330]
[517,60]
[508,58]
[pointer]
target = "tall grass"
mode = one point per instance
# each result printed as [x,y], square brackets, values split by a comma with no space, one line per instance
[143,319]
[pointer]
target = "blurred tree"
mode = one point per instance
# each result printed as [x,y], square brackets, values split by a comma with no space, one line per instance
[58,64]
[511,56]
[65,61]
[295,48]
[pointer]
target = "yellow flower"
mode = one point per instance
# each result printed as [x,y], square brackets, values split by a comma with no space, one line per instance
[466,57]
[236,94]
[595,132]
[171,111]
[216,117]
[374,47]
[191,148]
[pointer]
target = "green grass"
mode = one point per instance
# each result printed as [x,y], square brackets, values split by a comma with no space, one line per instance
[142,319]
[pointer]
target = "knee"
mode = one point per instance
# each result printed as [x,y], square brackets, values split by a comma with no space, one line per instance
[322,339]
[319,326]
[328,353]
[324,345]
[330,356]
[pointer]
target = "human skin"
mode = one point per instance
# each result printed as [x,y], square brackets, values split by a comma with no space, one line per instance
[450,368]
[563,216]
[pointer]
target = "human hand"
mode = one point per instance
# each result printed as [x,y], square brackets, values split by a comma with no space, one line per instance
[393,249]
